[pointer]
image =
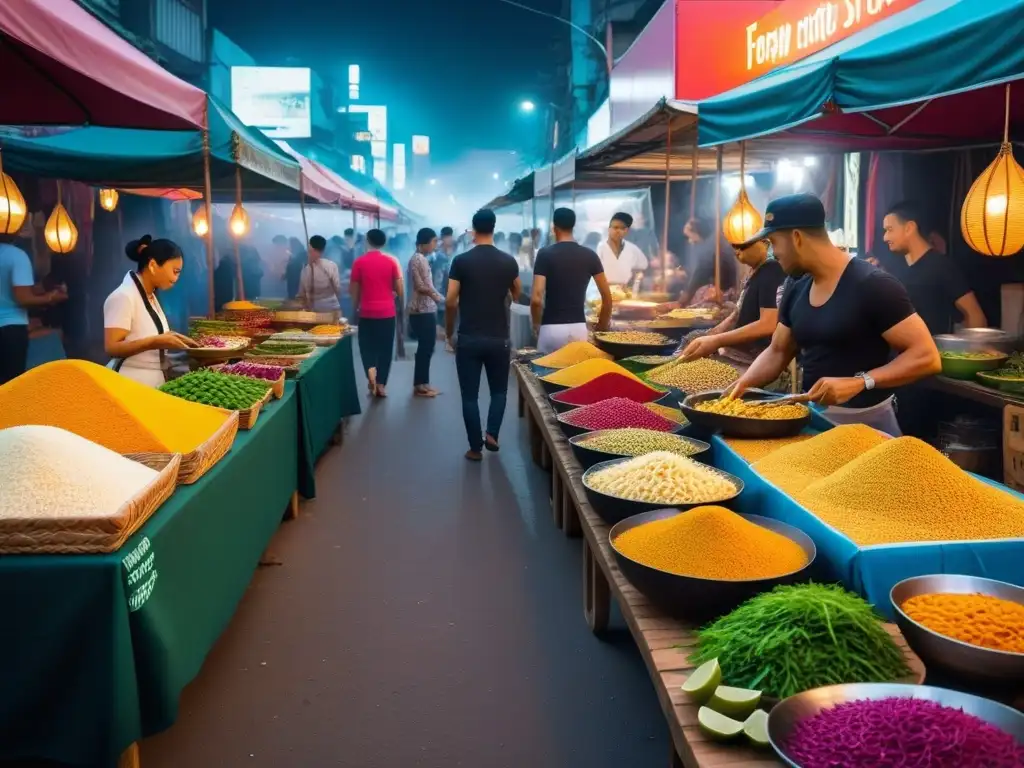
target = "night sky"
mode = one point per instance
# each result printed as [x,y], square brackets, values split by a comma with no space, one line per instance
[452,69]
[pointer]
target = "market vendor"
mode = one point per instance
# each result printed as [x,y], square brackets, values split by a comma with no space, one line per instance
[936,285]
[136,333]
[320,282]
[749,328]
[845,317]
[623,261]
[702,254]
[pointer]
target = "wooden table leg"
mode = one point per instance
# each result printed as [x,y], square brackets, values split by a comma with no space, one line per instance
[597,600]
[536,441]
[522,402]
[556,498]
[545,456]
[292,511]
[570,515]
[674,760]
[339,434]
[130,757]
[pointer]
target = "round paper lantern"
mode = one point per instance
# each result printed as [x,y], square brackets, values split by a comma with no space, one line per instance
[238,223]
[60,232]
[108,199]
[12,206]
[200,224]
[743,220]
[992,217]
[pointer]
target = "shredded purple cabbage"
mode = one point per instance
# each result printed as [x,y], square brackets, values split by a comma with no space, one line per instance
[900,733]
[253,371]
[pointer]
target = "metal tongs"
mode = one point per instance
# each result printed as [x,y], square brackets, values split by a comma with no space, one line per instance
[784,400]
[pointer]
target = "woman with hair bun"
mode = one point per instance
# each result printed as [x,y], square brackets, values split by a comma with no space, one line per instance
[136,334]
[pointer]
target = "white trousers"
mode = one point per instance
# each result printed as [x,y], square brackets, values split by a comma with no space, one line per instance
[554,337]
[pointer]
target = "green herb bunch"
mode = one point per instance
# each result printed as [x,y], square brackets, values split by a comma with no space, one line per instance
[795,638]
[235,393]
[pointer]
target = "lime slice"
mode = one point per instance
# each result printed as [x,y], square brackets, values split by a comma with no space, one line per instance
[755,728]
[734,702]
[703,681]
[717,726]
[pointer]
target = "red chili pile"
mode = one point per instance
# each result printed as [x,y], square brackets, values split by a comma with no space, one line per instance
[617,413]
[609,385]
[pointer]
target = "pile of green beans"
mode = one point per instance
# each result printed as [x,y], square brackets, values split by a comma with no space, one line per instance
[800,637]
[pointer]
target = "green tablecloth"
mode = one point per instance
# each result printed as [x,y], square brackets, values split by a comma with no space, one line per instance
[95,649]
[326,385]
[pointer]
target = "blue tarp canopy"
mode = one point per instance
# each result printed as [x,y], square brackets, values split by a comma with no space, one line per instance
[127,158]
[928,76]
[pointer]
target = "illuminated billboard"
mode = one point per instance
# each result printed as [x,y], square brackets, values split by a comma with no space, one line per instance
[274,99]
[421,145]
[376,119]
[398,167]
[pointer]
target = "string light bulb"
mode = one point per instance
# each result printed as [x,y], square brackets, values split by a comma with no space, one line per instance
[238,222]
[12,204]
[200,224]
[60,232]
[108,199]
[743,220]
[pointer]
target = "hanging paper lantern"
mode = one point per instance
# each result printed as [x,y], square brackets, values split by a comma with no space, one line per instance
[238,223]
[108,199]
[60,232]
[992,217]
[12,206]
[200,224]
[742,221]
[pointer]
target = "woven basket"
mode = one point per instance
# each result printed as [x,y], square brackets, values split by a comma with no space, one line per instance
[197,463]
[276,387]
[90,535]
[289,366]
[247,418]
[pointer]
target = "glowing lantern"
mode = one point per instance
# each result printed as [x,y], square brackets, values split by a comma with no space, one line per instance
[238,223]
[992,218]
[742,221]
[60,232]
[108,199]
[200,224]
[12,205]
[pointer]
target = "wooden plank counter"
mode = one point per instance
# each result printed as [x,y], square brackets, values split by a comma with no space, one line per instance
[656,634]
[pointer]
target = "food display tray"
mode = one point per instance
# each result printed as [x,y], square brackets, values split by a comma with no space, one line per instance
[276,386]
[196,463]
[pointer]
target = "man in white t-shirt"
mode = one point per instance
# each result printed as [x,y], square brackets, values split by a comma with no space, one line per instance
[622,259]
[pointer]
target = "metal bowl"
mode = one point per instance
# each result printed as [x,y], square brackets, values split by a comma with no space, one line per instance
[661,398]
[736,426]
[588,457]
[614,509]
[785,716]
[968,662]
[571,430]
[975,340]
[695,598]
[550,388]
[620,351]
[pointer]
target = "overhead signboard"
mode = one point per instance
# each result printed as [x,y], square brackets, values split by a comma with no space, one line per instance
[364,136]
[421,145]
[398,167]
[376,120]
[276,100]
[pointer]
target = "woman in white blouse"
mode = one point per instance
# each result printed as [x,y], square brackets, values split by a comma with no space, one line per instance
[136,334]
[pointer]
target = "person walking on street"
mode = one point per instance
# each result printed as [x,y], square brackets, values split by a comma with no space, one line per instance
[479,283]
[560,279]
[423,303]
[376,282]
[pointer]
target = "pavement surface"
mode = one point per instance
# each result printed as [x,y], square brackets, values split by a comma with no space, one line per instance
[425,612]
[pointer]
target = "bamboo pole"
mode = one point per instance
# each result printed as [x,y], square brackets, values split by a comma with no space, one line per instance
[718,220]
[694,171]
[208,195]
[302,208]
[668,208]
[236,238]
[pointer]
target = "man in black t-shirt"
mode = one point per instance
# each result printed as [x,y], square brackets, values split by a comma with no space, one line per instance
[845,317]
[479,282]
[936,285]
[751,325]
[561,275]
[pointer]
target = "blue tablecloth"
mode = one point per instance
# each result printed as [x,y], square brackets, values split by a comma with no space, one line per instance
[873,571]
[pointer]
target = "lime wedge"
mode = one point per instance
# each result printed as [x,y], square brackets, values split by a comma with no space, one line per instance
[716,726]
[703,681]
[734,702]
[755,728]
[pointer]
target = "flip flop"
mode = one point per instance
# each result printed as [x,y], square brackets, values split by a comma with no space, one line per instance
[371,380]
[423,393]
[491,444]
[474,456]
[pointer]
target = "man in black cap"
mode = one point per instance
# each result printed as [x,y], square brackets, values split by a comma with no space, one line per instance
[845,317]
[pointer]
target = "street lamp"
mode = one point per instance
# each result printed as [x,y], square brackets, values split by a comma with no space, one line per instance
[527,106]
[495,176]
[433,182]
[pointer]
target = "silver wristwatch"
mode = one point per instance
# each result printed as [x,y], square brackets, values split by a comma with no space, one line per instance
[869,383]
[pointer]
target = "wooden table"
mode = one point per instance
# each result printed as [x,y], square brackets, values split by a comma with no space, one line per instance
[656,635]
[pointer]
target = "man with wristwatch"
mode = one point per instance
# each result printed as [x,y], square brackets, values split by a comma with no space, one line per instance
[854,327]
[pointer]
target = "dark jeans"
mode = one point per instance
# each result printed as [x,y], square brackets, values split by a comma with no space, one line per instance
[424,330]
[377,345]
[473,353]
[13,351]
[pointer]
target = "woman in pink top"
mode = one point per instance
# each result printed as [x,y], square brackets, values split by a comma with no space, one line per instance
[375,283]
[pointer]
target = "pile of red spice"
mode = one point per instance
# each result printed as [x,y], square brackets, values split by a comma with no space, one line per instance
[617,413]
[609,385]
[900,733]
